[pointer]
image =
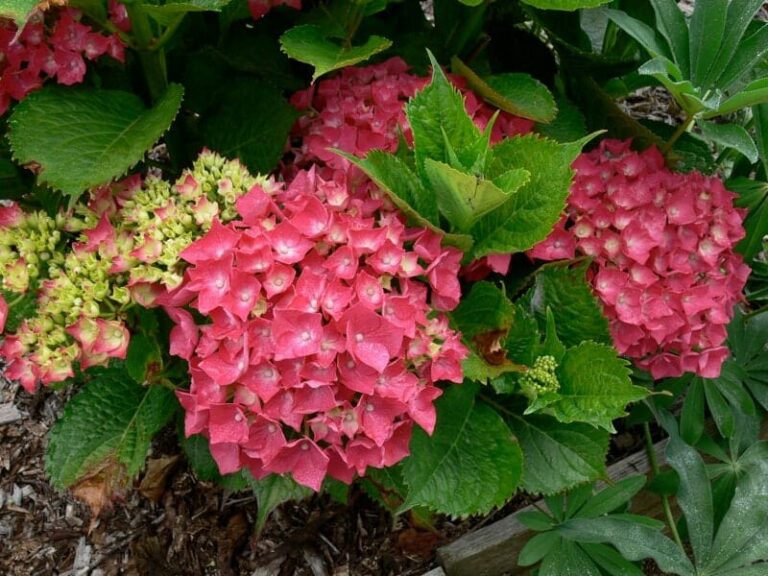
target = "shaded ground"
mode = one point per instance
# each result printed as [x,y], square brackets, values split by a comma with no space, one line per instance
[194,528]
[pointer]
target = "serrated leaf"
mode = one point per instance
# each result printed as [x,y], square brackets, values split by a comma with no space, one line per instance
[634,541]
[143,356]
[83,138]
[558,456]
[532,212]
[272,491]
[567,5]
[730,136]
[165,14]
[308,43]
[517,93]
[464,198]
[111,418]
[439,120]
[470,465]
[251,121]
[594,386]
[485,309]
[577,312]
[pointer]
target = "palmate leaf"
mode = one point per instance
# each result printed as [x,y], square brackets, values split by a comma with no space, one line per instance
[82,138]
[558,456]
[113,419]
[471,464]
[530,214]
[309,44]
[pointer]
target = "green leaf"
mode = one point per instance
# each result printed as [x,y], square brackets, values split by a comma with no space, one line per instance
[18,10]
[111,420]
[532,212]
[641,32]
[569,124]
[747,338]
[750,52]
[143,356]
[612,497]
[463,198]
[402,186]
[753,195]
[20,307]
[12,184]
[694,496]
[470,448]
[707,28]
[439,120]
[567,557]
[578,314]
[760,115]
[611,561]
[251,121]
[83,138]
[740,14]
[731,136]
[485,309]
[198,454]
[517,93]
[272,491]
[634,541]
[692,414]
[166,14]
[754,93]
[558,456]
[567,5]
[480,370]
[309,44]
[538,547]
[671,23]
[594,386]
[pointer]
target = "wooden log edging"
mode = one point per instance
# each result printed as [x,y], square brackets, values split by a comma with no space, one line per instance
[493,549]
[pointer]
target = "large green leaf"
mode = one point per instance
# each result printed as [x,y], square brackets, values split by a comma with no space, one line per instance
[594,386]
[20,307]
[309,44]
[635,541]
[82,138]
[569,5]
[558,456]
[747,338]
[273,490]
[754,93]
[641,32]
[110,422]
[198,453]
[707,28]
[516,93]
[18,10]
[750,52]
[567,557]
[671,23]
[471,464]
[529,216]
[251,121]
[565,291]
[485,309]
[730,136]
[439,121]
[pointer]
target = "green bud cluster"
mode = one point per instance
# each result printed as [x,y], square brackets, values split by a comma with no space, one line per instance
[540,378]
[25,248]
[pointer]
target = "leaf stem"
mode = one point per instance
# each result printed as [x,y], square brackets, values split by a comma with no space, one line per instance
[677,134]
[664,498]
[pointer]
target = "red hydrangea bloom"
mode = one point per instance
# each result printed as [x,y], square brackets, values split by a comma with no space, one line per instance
[662,246]
[318,362]
[49,47]
[259,8]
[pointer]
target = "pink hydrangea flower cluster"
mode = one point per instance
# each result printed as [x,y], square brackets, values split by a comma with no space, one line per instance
[259,8]
[57,48]
[325,336]
[664,266]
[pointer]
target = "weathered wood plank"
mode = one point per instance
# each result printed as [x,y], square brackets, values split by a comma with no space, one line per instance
[9,413]
[493,549]
[435,572]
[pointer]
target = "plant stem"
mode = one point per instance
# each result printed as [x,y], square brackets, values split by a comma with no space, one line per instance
[664,498]
[152,60]
[677,134]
